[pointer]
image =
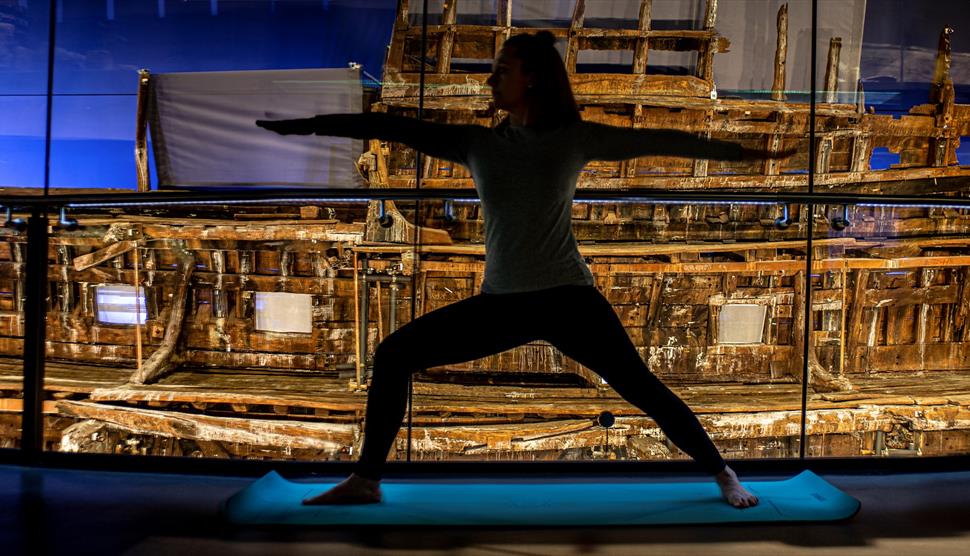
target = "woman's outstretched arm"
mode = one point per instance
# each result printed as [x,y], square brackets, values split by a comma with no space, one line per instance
[445,141]
[607,142]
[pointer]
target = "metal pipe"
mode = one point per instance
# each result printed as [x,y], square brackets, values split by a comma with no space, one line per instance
[352,195]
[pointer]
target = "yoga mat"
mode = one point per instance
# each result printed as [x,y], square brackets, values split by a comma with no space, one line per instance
[274,500]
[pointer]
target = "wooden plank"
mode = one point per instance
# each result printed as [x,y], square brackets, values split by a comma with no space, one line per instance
[642,51]
[398,86]
[86,261]
[446,42]
[781,54]
[928,295]
[186,426]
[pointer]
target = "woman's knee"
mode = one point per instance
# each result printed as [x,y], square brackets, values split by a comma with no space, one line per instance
[393,353]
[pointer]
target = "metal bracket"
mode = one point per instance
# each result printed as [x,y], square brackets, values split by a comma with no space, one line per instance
[449,213]
[68,224]
[18,224]
[783,221]
[842,222]
[383,218]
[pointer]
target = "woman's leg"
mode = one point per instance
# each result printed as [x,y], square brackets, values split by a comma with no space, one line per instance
[588,330]
[463,331]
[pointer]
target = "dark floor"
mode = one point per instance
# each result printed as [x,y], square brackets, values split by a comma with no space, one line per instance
[74,512]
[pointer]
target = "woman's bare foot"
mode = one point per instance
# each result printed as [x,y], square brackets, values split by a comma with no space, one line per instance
[352,490]
[733,492]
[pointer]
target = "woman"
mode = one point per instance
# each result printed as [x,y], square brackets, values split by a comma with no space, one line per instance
[536,284]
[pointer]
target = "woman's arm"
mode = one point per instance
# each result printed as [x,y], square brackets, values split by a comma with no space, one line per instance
[446,141]
[606,142]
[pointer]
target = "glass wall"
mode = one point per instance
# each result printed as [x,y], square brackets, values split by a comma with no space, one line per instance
[250,331]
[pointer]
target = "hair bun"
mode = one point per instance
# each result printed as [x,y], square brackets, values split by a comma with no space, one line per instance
[546,38]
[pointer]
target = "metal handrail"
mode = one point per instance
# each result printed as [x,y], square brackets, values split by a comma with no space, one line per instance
[314,195]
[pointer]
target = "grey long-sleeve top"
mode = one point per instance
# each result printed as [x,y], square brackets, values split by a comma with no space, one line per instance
[526,179]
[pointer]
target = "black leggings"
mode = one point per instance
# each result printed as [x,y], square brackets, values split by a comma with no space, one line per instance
[577,320]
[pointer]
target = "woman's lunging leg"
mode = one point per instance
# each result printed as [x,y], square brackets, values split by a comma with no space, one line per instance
[463,331]
[590,332]
[596,339]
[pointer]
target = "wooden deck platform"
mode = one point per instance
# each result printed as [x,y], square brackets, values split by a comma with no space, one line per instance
[310,412]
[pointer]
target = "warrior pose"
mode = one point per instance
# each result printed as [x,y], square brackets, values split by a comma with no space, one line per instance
[536,284]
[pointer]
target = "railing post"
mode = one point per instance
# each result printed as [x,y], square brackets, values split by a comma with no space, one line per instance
[35,334]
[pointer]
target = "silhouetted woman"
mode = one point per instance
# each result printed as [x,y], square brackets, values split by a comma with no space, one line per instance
[536,284]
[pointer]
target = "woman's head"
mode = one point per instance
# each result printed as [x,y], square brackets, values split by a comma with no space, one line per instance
[529,75]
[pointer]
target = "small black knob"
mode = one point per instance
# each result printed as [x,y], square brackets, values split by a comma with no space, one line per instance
[606,419]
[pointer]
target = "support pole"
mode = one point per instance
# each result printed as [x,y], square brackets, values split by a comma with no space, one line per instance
[137,317]
[35,334]
[832,70]
[781,53]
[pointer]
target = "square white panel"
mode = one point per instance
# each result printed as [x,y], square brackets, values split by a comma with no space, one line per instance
[284,312]
[741,323]
[116,304]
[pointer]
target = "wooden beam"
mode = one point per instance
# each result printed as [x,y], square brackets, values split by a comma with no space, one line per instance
[642,51]
[111,251]
[447,42]
[707,48]
[855,331]
[188,426]
[572,41]
[832,70]
[781,53]
[141,131]
[164,359]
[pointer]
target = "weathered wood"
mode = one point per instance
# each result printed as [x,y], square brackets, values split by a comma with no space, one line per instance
[258,432]
[832,70]
[165,358]
[641,52]
[447,41]
[572,40]
[141,132]
[781,54]
[111,251]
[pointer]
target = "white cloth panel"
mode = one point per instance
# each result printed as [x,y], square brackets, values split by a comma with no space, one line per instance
[120,304]
[741,323]
[284,312]
[204,133]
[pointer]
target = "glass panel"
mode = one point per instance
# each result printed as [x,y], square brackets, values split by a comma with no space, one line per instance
[529,377]
[888,334]
[22,141]
[202,348]
[251,324]
[23,87]
[890,331]
[915,93]
[23,111]
[535,377]
[96,76]
[92,141]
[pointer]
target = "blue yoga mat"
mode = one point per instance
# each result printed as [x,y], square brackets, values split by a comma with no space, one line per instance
[274,500]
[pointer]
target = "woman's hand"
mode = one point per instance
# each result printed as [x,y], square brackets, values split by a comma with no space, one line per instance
[301,126]
[757,154]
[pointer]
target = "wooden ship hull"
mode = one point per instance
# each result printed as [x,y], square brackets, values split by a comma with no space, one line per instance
[890,328]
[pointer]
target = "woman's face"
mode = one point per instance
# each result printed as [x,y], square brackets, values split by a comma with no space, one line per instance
[508,82]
